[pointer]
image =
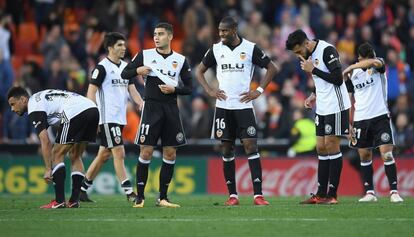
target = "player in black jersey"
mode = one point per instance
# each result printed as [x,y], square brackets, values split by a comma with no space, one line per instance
[167,74]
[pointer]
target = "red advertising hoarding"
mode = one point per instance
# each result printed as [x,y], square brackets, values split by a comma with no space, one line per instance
[298,177]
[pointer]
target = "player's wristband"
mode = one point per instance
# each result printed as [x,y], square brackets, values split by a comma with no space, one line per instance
[259,89]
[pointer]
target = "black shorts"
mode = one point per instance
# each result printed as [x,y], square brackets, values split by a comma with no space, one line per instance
[110,134]
[372,133]
[332,124]
[231,124]
[160,120]
[81,128]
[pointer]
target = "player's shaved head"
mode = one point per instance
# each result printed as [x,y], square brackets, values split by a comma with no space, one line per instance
[229,21]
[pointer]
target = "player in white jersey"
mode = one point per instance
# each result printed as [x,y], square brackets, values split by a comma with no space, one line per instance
[371,123]
[77,120]
[332,110]
[162,69]
[110,91]
[235,59]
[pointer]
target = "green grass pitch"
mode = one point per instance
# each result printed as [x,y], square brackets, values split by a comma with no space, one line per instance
[204,215]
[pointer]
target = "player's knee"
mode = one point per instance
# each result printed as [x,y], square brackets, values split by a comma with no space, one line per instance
[228,151]
[332,146]
[365,157]
[145,154]
[250,148]
[170,155]
[118,154]
[320,149]
[388,157]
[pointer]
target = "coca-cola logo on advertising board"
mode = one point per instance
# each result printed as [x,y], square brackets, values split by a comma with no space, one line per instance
[298,177]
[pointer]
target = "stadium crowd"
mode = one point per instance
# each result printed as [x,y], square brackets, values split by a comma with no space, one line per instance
[56,44]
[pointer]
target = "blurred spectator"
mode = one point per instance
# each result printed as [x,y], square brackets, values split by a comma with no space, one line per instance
[392,77]
[201,119]
[410,47]
[316,9]
[76,43]
[402,106]
[287,7]
[31,75]
[5,37]
[197,17]
[404,138]
[328,25]
[302,135]
[42,10]
[148,17]
[17,129]
[121,19]
[346,45]
[6,79]
[195,47]
[130,130]
[255,30]
[56,77]
[14,8]
[51,46]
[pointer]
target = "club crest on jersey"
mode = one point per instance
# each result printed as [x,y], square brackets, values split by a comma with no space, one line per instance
[179,137]
[142,138]
[369,71]
[242,55]
[251,131]
[316,62]
[328,129]
[174,64]
[219,133]
[385,137]
[117,140]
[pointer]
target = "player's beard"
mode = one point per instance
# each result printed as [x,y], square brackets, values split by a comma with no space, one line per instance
[307,54]
[229,40]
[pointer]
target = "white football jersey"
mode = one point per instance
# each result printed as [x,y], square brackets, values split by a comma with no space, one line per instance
[112,95]
[60,106]
[166,69]
[330,99]
[234,73]
[370,93]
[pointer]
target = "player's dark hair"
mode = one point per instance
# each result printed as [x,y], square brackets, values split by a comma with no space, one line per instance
[366,50]
[228,20]
[167,26]
[17,92]
[296,38]
[111,38]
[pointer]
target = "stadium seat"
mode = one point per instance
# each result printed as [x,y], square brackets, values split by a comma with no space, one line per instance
[28,32]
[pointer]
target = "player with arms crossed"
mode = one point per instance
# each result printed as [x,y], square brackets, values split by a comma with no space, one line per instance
[234,58]
[371,123]
[321,59]
[110,91]
[162,69]
[77,119]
